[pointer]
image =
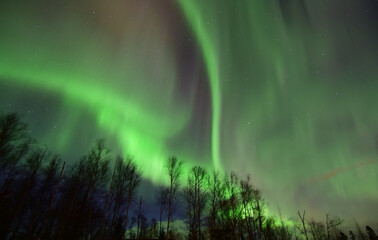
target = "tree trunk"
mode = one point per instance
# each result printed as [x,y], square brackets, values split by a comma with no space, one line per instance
[126,217]
[52,200]
[169,208]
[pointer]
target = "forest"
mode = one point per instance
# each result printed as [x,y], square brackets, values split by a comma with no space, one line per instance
[96,197]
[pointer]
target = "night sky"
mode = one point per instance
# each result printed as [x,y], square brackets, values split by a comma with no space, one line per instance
[285,90]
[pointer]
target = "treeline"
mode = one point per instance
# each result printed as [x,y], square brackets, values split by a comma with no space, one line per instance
[96,198]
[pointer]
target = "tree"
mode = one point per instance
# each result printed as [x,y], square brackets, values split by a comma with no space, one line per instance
[153,231]
[174,168]
[283,230]
[352,236]
[38,201]
[99,177]
[231,213]
[317,230]
[43,193]
[360,233]
[188,195]
[216,194]
[140,215]
[247,199]
[371,234]
[14,139]
[331,225]
[196,197]
[342,236]
[259,210]
[108,198]
[73,188]
[269,230]
[163,201]
[302,229]
[14,145]
[88,176]
[118,192]
[133,179]
[31,168]
[46,215]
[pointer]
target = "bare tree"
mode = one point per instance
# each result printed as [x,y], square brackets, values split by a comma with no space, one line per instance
[108,198]
[133,179]
[163,201]
[216,194]
[317,230]
[259,210]
[14,139]
[371,233]
[14,145]
[99,174]
[302,229]
[120,185]
[283,230]
[360,233]
[352,236]
[153,229]
[247,199]
[331,225]
[89,175]
[73,185]
[51,171]
[32,165]
[139,217]
[196,197]
[232,212]
[174,168]
[342,236]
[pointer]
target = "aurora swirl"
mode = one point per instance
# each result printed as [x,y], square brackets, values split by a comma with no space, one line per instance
[283,90]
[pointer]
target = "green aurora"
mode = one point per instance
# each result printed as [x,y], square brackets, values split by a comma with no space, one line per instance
[283,90]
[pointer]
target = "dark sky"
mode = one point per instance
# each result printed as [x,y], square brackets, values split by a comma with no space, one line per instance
[283,90]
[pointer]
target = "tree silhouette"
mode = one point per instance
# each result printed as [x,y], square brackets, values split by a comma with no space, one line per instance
[30,168]
[352,236]
[342,236]
[87,177]
[317,230]
[162,201]
[108,198]
[248,199]
[331,225]
[216,194]
[51,171]
[196,198]
[231,213]
[302,228]
[14,139]
[371,234]
[14,146]
[133,178]
[41,198]
[174,169]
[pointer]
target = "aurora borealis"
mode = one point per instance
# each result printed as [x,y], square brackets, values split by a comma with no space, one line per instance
[283,90]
